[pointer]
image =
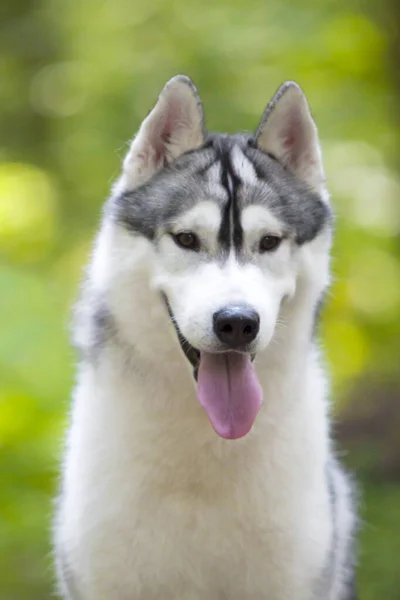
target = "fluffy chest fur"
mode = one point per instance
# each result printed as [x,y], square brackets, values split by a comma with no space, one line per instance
[163,504]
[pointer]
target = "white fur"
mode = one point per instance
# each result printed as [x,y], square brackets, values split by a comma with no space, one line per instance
[204,219]
[258,221]
[243,167]
[154,503]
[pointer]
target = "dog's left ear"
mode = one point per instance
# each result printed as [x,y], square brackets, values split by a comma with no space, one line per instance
[288,132]
[174,126]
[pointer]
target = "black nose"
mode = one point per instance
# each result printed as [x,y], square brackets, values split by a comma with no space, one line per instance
[236,326]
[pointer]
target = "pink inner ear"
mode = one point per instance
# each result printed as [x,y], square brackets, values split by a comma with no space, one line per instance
[164,130]
[289,141]
[159,139]
[293,139]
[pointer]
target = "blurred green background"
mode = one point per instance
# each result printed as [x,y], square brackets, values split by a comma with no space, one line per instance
[76,79]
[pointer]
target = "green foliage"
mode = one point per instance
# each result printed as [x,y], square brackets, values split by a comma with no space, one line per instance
[77,78]
[379,544]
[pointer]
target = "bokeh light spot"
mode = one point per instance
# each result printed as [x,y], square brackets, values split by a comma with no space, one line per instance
[58,90]
[374,284]
[27,212]
[347,348]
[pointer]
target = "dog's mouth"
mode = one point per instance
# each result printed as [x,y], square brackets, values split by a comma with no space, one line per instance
[192,354]
[227,386]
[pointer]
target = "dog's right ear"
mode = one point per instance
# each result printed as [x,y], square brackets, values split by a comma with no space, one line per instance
[174,126]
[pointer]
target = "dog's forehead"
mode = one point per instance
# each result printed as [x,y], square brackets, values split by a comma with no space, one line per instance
[230,173]
[253,178]
[221,187]
[232,178]
[205,215]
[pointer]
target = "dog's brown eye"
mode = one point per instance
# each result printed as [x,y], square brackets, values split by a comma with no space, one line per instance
[187,240]
[269,243]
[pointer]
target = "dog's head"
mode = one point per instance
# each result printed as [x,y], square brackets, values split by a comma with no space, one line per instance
[234,222]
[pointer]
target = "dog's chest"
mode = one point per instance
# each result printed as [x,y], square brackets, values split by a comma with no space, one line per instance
[181,545]
[210,550]
[242,522]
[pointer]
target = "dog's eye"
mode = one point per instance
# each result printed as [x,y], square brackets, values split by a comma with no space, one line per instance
[269,243]
[187,240]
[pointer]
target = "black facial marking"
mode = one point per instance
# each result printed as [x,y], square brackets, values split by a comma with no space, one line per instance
[237,225]
[231,229]
[224,234]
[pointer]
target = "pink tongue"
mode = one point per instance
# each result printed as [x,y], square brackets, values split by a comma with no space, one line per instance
[229,391]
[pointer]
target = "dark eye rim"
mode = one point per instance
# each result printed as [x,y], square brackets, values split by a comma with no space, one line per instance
[192,244]
[275,242]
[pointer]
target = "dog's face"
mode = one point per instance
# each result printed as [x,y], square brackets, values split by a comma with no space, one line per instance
[225,293]
[229,219]
[228,257]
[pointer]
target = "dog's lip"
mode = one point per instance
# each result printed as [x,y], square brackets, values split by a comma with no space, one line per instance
[191,353]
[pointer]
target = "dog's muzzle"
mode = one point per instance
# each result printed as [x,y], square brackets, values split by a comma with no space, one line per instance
[235,327]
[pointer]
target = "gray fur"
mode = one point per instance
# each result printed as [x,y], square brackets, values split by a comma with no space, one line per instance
[153,206]
[304,211]
[168,193]
[93,327]
[352,590]
[351,557]
[68,579]
[331,567]
[336,479]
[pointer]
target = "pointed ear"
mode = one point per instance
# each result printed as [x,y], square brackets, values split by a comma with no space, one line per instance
[288,132]
[174,126]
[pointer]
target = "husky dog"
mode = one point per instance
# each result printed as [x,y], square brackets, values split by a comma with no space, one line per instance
[199,464]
